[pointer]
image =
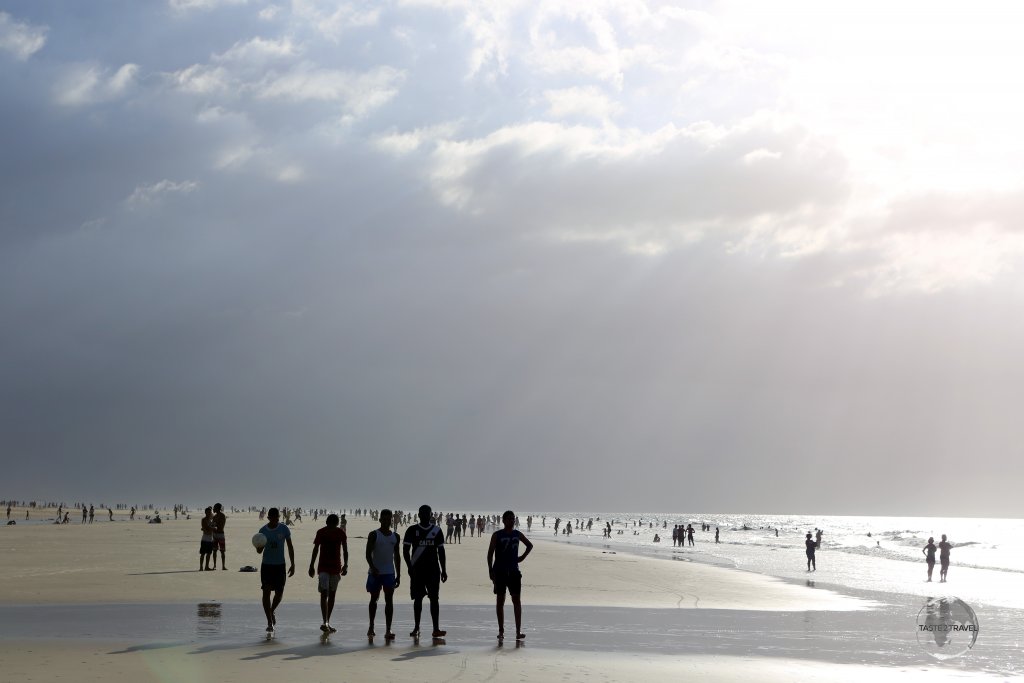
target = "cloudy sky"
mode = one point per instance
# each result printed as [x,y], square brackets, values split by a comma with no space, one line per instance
[708,256]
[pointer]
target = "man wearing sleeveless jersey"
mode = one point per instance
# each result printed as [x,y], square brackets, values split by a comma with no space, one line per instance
[385,571]
[423,549]
[503,560]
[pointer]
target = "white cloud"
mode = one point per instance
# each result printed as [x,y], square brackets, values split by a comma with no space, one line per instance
[269,13]
[589,102]
[147,195]
[84,84]
[345,16]
[19,38]
[400,144]
[258,50]
[291,174]
[359,92]
[186,5]
[234,156]
[201,79]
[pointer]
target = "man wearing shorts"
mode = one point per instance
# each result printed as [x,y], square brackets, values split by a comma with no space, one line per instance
[503,560]
[272,575]
[384,573]
[219,520]
[206,544]
[423,549]
[332,542]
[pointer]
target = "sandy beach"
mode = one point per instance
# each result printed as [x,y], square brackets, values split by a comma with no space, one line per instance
[126,593]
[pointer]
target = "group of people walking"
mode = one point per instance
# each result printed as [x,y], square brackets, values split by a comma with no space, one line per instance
[424,556]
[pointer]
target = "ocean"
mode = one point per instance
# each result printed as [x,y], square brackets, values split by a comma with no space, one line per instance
[878,554]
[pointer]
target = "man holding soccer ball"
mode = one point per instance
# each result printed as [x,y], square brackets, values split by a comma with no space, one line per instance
[272,574]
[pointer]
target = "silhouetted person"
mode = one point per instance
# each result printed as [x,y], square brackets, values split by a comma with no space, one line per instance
[385,571]
[272,573]
[929,556]
[944,548]
[811,547]
[423,549]
[503,560]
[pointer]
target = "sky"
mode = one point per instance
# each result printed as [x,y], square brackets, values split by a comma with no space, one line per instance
[596,255]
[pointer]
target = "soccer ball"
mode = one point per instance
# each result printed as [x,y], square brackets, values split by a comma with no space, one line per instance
[259,541]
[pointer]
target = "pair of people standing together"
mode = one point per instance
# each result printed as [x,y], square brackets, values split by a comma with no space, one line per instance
[929,555]
[424,554]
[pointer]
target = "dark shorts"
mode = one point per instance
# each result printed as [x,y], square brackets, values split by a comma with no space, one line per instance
[205,547]
[512,581]
[272,577]
[218,540]
[375,583]
[945,562]
[424,583]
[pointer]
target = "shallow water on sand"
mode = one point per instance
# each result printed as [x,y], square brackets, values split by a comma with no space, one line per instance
[883,637]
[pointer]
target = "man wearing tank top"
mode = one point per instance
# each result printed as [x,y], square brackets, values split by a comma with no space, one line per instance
[385,571]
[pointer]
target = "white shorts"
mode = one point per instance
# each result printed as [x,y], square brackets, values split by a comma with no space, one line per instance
[328,583]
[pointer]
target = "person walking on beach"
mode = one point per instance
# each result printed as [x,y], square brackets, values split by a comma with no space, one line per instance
[929,556]
[944,548]
[385,572]
[423,549]
[219,520]
[206,543]
[503,560]
[272,574]
[811,547]
[716,534]
[332,543]
[689,534]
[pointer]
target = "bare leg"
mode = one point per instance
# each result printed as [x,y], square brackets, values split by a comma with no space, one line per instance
[499,609]
[517,609]
[417,610]
[435,616]
[268,609]
[373,613]
[389,611]
[330,610]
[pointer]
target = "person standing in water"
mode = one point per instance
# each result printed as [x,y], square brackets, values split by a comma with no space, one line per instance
[332,543]
[929,556]
[503,560]
[423,550]
[385,571]
[811,547]
[944,548]
[272,574]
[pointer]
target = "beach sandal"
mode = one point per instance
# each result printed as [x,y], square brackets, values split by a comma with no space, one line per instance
[520,636]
